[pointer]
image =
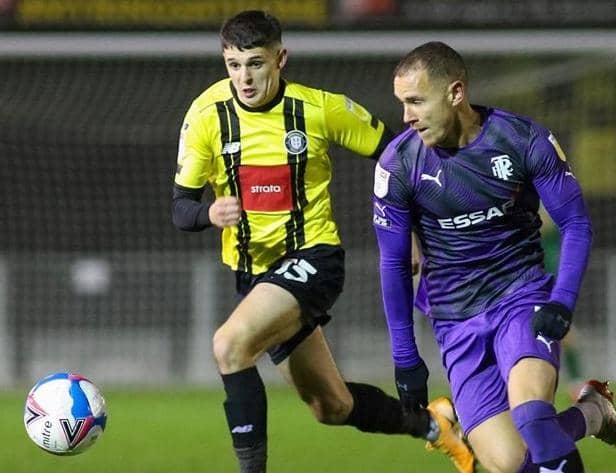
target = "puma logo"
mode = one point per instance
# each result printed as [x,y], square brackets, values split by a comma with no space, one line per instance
[548,343]
[543,469]
[428,177]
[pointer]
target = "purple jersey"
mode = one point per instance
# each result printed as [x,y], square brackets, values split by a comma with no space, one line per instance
[475,211]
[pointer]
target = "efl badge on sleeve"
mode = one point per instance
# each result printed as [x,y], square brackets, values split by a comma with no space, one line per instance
[381,181]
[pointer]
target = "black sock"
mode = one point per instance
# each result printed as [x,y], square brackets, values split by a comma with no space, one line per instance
[246,411]
[376,411]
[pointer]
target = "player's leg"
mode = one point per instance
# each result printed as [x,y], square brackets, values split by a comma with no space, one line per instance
[498,445]
[267,316]
[596,402]
[271,318]
[530,364]
[532,382]
[479,390]
[310,368]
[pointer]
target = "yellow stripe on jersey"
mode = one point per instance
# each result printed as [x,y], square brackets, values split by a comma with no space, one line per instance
[275,161]
[559,150]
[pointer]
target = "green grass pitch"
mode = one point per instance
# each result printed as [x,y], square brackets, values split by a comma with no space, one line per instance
[185,432]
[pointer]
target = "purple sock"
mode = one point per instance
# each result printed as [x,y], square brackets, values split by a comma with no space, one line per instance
[546,440]
[572,421]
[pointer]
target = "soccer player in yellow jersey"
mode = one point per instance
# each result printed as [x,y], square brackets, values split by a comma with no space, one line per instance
[261,143]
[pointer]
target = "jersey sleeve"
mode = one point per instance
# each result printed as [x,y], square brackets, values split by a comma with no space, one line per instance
[351,126]
[195,158]
[562,197]
[392,224]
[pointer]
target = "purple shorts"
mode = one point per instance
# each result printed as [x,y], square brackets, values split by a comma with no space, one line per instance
[478,353]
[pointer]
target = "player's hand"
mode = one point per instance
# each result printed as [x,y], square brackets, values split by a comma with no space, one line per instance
[412,386]
[225,211]
[552,320]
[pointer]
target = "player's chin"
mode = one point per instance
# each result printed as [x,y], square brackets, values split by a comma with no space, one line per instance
[253,100]
[429,141]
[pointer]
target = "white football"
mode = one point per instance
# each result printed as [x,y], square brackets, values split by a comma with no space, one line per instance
[65,414]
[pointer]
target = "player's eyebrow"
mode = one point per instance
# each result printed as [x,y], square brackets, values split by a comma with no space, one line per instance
[409,98]
[249,58]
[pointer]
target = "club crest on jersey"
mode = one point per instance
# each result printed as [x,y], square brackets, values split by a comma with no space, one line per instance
[502,167]
[295,141]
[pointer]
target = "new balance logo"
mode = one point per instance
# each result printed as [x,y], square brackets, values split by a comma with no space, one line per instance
[546,342]
[543,469]
[231,147]
[242,429]
[428,177]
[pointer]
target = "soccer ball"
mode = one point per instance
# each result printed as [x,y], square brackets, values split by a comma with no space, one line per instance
[64,414]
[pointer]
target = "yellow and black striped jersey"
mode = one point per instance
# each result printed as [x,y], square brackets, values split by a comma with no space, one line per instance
[275,160]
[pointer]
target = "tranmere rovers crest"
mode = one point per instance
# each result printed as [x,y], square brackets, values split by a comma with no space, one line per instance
[295,141]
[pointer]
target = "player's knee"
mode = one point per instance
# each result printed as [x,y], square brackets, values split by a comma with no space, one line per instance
[230,351]
[501,461]
[329,411]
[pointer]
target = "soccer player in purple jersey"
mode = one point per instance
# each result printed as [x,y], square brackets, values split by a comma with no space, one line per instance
[468,181]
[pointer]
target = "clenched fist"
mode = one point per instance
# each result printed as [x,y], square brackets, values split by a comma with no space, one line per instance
[225,211]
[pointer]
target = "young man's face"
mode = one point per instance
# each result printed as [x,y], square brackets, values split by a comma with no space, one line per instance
[255,73]
[428,107]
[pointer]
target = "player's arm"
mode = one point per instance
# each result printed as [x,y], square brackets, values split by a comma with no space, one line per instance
[189,212]
[392,223]
[416,255]
[351,126]
[562,197]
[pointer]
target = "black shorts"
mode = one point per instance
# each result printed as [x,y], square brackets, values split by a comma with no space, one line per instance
[315,276]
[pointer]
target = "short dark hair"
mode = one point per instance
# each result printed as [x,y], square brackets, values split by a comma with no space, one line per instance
[440,60]
[250,29]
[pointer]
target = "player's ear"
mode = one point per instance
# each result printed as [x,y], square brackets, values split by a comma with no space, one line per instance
[282,58]
[456,92]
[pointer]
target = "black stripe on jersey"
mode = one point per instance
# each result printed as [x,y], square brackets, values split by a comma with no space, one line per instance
[386,137]
[230,133]
[374,122]
[294,120]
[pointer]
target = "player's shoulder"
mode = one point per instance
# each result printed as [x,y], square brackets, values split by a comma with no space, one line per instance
[218,92]
[522,125]
[305,93]
[507,120]
[404,147]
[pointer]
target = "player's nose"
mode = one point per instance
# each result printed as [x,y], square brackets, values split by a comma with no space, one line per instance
[245,76]
[409,117]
